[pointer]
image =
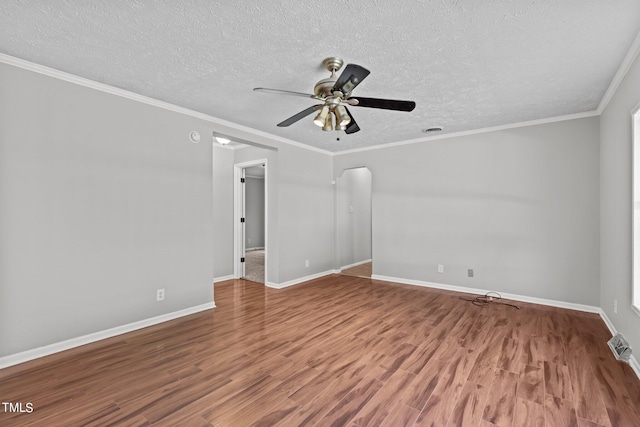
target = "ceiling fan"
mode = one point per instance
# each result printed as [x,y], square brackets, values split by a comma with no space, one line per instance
[335,94]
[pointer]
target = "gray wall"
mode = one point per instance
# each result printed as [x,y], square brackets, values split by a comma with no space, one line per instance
[354,216]
[254,212]
[103,200]
[306,213]
[520,207]
[616,206]
[300,209]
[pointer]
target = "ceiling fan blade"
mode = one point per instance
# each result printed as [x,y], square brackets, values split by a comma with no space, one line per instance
[352,127]
[301,115]
[385,104]
[351,77]
[285,92]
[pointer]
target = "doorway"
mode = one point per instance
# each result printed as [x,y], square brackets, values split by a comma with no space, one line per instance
[250,219]
[354,222]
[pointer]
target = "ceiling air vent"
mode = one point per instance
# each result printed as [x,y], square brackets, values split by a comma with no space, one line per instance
[433,129]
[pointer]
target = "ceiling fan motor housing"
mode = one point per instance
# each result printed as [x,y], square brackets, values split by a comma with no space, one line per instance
[324,86]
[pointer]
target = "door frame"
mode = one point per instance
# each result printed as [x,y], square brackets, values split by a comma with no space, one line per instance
[338,183]
[238,211]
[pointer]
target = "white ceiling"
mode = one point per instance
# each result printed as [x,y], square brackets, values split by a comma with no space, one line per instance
[467,64]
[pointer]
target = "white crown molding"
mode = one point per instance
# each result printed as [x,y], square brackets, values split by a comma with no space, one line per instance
[30,66]
[102,87]
[473,132]
[628,60]
[25,356]
[71,78]
[61,75]
[622,72]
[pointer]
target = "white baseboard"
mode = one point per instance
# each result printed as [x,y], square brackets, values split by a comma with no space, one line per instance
[223,278]
[515,297]
[257,248]
[633,362]
[355,264]
[300,280]
[607,322]
[25,356]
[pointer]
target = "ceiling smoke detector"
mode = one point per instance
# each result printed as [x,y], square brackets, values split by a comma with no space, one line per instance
[194,136]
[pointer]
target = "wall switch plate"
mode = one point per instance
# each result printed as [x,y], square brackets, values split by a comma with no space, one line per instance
[470,272]
[615,306]
[306,263]
[440,268]
[160,295]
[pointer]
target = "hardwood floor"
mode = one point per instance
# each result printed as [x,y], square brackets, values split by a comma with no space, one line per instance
[362,270]
[338,351]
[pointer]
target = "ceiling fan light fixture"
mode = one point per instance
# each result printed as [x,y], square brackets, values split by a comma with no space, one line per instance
[342,118]
[322,116]
[328,123]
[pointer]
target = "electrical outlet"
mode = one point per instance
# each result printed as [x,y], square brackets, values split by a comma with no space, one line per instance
[160,295]
[470,272]
[440,268]
[306,263]
[615,306]
[249,240]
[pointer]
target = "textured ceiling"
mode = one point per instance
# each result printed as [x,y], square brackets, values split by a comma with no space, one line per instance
[467,64]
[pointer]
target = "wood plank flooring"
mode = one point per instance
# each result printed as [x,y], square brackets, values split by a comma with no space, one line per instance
[362,270]
[337,351]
